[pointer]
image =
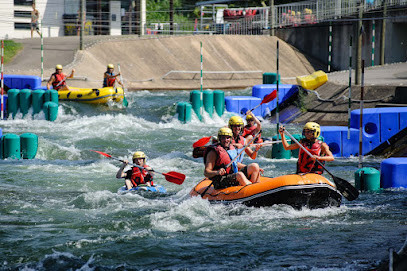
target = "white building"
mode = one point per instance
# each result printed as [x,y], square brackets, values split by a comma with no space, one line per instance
[59,18]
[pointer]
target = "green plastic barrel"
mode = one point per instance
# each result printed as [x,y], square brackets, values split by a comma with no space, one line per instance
[181,111]
[51,95]
[196,102]
[37,100]
[278,151]
[367,179]
[188,112]
[13,101]
[270,78]
[50,111]
[219,101]
[28,145]
[11,146]
[25,100]
[208,101]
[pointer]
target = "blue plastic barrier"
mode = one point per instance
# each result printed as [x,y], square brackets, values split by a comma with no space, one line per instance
[371,128]
[285,90]
[240,104]
[350,147]
[333,137]
[393,172]
[22,81]
[379,124]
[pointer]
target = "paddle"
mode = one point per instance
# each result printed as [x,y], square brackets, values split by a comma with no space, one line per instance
[346,189]
[125,102]
[268,98]
[172,176]
[201,142]
[234,159]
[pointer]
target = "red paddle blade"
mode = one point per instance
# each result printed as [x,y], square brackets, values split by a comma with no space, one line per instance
[174,177]
[269,97]
[201,142]
[102,153]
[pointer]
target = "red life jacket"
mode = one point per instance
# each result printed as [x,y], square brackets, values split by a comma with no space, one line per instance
[305,164]
[222,159]
[250,131]
[58,79]
[140,176]
[109,81]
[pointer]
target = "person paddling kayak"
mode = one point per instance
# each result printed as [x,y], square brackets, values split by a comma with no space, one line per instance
[136,176]
[58,79]
[319,150]
[109,78]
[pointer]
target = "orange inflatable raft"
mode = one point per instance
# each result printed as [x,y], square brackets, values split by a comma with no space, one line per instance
[305,190]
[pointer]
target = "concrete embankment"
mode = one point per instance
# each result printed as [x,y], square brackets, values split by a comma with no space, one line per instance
[145,61]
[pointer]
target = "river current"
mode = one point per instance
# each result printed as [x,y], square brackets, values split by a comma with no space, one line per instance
[61,210]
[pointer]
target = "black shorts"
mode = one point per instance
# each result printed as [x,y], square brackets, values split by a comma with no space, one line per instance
[220,182]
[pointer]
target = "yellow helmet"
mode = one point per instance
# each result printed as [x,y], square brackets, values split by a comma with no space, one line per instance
[224,131]
[235,120]
[110,66]
[58,67]
[139,154]
[249,117]
[313,126]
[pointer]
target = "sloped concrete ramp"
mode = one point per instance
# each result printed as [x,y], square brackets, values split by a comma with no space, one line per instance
[144,62]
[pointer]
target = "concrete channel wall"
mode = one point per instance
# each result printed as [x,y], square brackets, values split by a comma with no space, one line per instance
[313,40]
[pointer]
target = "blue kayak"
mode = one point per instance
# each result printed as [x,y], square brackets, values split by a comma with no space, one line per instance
[142,188]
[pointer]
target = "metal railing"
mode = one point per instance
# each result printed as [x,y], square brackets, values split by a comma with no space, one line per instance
[247,23]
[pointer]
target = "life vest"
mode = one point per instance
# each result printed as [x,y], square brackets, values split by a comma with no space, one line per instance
[224,157]
[240,140]
[250,131]
[140,176]
[59,77]
[305,164]
[109,81]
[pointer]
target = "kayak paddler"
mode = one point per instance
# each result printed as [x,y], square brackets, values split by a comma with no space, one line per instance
[136,176]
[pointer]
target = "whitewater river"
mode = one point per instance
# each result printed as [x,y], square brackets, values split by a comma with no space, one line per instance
[61,211]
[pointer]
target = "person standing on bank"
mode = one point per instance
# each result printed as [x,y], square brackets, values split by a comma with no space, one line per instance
[319,150]
[35,15]
[58,79]
[220,154]
[109,78]
[136,176]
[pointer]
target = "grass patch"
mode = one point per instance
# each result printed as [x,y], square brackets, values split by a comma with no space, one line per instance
[11,49]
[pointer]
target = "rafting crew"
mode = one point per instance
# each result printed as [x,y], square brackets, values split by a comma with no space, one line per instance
[136,176]
[58,79]
[109,78]
[220,154]
[319,150]
[238,141]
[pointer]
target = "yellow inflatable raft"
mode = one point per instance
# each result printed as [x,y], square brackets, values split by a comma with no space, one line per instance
[92,95]
[306,190]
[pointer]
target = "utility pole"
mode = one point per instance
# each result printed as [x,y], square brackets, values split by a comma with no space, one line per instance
[359,45]
[272,18]
[383,33]
[171,17]
[82,21]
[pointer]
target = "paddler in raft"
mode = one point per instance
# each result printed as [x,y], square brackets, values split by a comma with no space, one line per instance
[58,79]
[319,150]
[218,155]
[252,127]
[238,141]
[135,176]
[109,78]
